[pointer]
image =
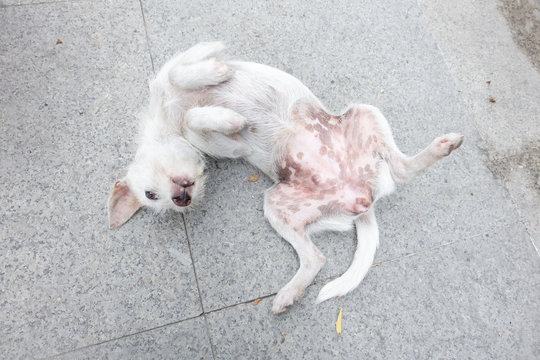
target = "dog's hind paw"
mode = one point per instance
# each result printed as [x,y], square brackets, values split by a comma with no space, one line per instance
[444,145]
[285,298]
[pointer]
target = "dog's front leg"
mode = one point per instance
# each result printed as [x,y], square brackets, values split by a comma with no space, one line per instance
[289,217]
[214,131]
[214,118]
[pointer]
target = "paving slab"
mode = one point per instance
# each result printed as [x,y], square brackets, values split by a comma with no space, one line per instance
[73,77]
[473,299]
[237,254]
[184,340]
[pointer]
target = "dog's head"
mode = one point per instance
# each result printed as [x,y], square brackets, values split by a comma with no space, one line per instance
[166,174]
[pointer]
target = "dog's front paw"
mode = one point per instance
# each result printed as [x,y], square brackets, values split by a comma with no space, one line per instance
[285,298]
[219,71]
[235,122]
[444,145]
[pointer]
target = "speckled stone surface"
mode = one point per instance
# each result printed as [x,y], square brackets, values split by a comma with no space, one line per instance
[455,276]
[68,115]
[417,307]
[27,2]
[501,87]
[184,340]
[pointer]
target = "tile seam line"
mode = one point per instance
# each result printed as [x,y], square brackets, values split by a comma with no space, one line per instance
[209,337]
[204,313]
[193,264]
[391,260]
[198,288]
[147,37]
[123,337]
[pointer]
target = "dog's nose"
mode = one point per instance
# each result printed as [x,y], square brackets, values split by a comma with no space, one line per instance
[182,200]
[183,182]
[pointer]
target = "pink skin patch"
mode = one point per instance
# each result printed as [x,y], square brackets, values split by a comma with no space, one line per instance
[334,166]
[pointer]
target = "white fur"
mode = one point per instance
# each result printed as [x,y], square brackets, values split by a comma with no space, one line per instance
[200,103]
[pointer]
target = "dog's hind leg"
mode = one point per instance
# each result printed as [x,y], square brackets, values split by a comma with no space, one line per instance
[402,167]
[199,75]
[199,52]
[367,242]
[289,218]
[194,69]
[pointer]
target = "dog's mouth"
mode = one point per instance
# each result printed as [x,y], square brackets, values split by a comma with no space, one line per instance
[183,200]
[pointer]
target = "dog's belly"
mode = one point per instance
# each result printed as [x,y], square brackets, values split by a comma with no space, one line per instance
[333,159]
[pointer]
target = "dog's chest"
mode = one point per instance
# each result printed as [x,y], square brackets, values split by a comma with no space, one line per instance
[334,157]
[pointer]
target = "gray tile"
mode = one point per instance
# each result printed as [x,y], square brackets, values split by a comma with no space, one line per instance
[456,198]
[68,115]
[474,299]
[185,340]
[487,63]
[236,252]
[478,47]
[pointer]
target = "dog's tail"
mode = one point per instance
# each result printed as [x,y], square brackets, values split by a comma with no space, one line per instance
[368,241]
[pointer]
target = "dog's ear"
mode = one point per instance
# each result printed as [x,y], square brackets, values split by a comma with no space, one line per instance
[122,204]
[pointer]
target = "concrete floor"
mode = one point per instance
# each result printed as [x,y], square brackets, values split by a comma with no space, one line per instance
[457,274]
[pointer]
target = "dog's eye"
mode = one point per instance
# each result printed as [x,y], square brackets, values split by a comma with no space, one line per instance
[151,195]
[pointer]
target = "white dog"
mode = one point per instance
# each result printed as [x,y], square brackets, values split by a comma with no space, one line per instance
[328,169]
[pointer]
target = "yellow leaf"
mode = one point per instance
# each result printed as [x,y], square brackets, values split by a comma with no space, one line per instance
[257,301]
[338,322]
[253,177]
